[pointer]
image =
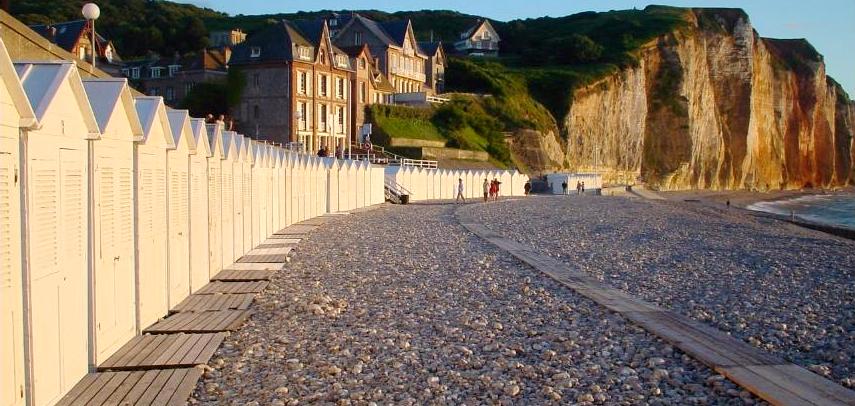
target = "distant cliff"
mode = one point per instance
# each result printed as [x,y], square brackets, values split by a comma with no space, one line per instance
[713,105]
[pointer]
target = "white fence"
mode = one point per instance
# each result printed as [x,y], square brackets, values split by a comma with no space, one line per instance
[433,184]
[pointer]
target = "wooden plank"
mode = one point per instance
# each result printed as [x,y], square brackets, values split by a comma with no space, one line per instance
[78,389]
[122,391]
[283,240]
[294,236]
[249,266]
[213,302]
[105,391]
[280,258]
[90,391]
[201,322]
[233,287]
[140,387]
[765,375]
[147,397]
[242,276]
[174,355]
[269,251]
[169,387]
[185,388]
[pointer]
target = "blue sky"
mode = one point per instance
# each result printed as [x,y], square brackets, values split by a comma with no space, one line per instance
[828,24]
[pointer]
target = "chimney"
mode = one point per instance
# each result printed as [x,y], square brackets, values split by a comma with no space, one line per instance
[52,34]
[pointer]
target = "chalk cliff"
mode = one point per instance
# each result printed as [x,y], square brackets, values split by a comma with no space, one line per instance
[713,105]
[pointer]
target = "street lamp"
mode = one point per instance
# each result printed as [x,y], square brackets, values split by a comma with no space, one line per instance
[91,12]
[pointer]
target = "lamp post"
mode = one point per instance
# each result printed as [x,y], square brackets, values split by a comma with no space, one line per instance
[91,12]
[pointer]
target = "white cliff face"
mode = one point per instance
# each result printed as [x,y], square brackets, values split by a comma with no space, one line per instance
[716,108]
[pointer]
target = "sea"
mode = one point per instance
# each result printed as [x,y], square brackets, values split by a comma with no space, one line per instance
[836,210]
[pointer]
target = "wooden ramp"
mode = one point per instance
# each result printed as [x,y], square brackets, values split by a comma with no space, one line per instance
[164,351]
[200,322]
[158,387]
[769,377]
[232,287]
[213,302]
[234,275]
[250,266]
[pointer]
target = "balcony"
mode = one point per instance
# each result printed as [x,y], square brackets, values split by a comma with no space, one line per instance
[411,74]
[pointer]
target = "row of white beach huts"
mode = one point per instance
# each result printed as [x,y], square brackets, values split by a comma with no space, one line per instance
[115,208]
[430,184]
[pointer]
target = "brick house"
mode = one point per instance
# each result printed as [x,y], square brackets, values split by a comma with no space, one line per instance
[298,86]
[173,78]
[435,66]
[368,84]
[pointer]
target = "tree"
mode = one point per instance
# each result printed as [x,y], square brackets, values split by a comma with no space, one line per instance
[576,49]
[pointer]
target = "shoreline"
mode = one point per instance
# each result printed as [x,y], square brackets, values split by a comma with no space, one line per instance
[741,200]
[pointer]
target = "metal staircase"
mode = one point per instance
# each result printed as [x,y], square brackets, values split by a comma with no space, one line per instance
[396,193]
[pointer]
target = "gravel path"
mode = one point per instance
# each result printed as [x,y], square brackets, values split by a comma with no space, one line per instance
[780,287]
[401,305]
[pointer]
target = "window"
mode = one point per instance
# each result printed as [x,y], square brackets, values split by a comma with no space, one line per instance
[173,69]
[362,63]
[81,53]
[323,57]
[303,53]
[188,87]
[256,80]
[135,73]
[254,52]
[341,60]
[302,116]
[256,112]
[340,88]
[155,91]
[363,92]
[126,72]
[303,82]
[322,116]
[155,72]
[340,114]
[170,93]
[323,85]
[357,38]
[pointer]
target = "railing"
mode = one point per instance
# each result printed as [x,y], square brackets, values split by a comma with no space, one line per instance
[395,192]
[384,157]
[408,73]
[437,99]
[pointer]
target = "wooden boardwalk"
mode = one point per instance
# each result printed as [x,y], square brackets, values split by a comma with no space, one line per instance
[200,322]
[154,387]
[769,377]
[164,351]
[205,303]
[160,367]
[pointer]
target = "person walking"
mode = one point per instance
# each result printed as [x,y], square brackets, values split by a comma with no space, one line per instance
[460,191]
[583,188]
[578,187]
[564,188]
[486,190]
[527,187]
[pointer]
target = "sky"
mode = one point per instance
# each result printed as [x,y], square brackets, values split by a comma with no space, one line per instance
[828,24]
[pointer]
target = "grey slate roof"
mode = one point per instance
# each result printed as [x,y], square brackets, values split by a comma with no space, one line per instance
[430,48]
[276,42]
[67,33]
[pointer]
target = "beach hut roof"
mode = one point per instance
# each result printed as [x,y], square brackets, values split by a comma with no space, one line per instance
[42,81]
[200,136]
[105,96]
[152,113]
[179,122]
[16,91]
[215,138]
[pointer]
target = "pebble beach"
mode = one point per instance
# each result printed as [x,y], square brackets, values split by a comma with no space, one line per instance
[401,305]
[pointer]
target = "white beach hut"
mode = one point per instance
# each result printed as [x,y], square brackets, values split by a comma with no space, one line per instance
[369,171]
[215,197]
[378,178]
[289,187]
[114,261]
[230,152]
[57,232]
[199,250]
[332,184]
[359,177]
[282,199]
[15,114]
[275,165]
[178,162]
[259,192]
[437,184]
[246,161]
[237,204]
[152,247]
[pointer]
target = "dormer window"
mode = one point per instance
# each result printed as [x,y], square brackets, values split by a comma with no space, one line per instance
[254,52]
[357,38]
[173,69]
[341,60]
[135,73]
[155,72]
[303,53]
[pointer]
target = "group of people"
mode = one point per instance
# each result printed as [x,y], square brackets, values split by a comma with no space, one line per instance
[580,187]
[324,152]
[491,189]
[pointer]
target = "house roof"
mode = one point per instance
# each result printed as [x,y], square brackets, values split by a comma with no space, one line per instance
[105,95]
[311,29]
[376,29]
[9,77]
[468,33]
[67,33]
[200,136]
[276,42]
[397,30]
[430,48]
[41,82]
[152,113]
